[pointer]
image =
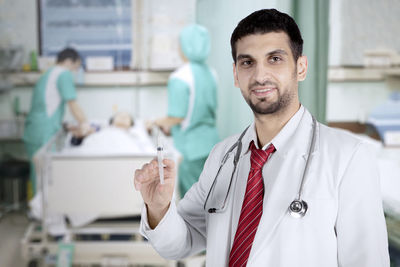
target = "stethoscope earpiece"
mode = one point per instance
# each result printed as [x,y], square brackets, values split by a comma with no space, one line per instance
[298,208]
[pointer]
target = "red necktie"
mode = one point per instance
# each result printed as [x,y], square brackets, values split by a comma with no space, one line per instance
[252,206]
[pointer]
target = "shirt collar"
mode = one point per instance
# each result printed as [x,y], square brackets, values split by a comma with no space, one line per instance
[281,138]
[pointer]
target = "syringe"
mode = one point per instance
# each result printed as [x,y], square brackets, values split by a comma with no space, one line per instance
[160,157]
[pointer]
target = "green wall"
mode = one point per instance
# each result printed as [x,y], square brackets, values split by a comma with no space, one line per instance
[221,17]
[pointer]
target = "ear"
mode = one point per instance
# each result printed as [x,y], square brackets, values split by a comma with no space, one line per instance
[235,77]
[302,64]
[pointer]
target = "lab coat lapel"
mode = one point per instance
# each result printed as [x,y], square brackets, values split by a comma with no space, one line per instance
[282,177]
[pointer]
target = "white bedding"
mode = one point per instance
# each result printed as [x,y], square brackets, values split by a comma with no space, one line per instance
[113,140]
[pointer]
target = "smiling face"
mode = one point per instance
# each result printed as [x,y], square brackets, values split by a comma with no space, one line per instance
[266,73]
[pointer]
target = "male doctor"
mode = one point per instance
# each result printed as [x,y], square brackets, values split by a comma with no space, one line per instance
[242,219]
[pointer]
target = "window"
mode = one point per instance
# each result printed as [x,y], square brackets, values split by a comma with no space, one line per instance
[93,27]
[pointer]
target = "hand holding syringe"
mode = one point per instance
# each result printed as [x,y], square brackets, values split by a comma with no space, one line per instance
[156,183]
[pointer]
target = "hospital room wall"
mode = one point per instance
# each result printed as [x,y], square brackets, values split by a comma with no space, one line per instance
[141,102]
[99,103]
[355,27]
[221,17]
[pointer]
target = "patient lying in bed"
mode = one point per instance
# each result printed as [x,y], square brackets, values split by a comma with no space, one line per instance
[121,136]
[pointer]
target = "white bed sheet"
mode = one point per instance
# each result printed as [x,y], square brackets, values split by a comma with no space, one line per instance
[111,140]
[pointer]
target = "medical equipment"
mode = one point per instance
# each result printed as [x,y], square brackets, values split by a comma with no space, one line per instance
[297,207]
[384,118]
[160,157]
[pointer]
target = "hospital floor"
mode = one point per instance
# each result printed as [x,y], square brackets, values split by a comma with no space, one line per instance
[13,226]
[12,229]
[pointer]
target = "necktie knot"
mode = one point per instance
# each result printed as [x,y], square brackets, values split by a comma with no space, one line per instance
[258,156]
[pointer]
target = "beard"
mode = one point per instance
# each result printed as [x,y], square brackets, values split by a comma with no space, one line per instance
[264,108]
[261,107]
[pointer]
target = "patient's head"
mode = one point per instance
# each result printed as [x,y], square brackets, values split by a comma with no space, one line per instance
[122,120]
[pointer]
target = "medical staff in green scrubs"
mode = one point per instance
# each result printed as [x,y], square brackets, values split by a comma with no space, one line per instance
[52,92]
[192,103]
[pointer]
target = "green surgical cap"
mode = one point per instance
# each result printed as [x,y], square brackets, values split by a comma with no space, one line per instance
[195,42]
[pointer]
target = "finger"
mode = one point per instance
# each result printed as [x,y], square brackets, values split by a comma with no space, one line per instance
[169,164]
[164,130]
[154,163]
[138,186]
[146,174]
[169,173]
[135,182]
[167,186]
[169,169]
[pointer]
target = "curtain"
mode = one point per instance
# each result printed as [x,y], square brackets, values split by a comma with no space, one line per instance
[312,16]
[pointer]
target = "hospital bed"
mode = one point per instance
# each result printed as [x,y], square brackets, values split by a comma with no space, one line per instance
[86,187]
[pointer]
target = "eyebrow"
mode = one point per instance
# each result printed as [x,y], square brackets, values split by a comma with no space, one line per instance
[278,51]
[274,52]
[243,56]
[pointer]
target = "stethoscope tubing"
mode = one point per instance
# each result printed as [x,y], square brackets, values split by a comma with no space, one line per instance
[310,151]
[301,204]
[238,144]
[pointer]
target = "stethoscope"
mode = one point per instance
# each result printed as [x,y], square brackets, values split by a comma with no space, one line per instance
[297,208]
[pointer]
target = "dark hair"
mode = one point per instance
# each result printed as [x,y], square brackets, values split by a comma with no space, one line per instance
[265,21]
[68,53]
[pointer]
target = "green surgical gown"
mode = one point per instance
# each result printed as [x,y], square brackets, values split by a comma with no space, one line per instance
[192,95]
[53,90]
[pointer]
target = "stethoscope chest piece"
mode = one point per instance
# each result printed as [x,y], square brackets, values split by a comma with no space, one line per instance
[298,208]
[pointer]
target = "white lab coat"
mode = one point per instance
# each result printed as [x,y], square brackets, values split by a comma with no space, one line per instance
[344,225]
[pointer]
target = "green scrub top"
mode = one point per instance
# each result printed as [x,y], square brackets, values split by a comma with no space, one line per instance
[53,90]
[192,95]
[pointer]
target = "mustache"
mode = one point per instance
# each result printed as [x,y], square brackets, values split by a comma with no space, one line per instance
[266,83]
